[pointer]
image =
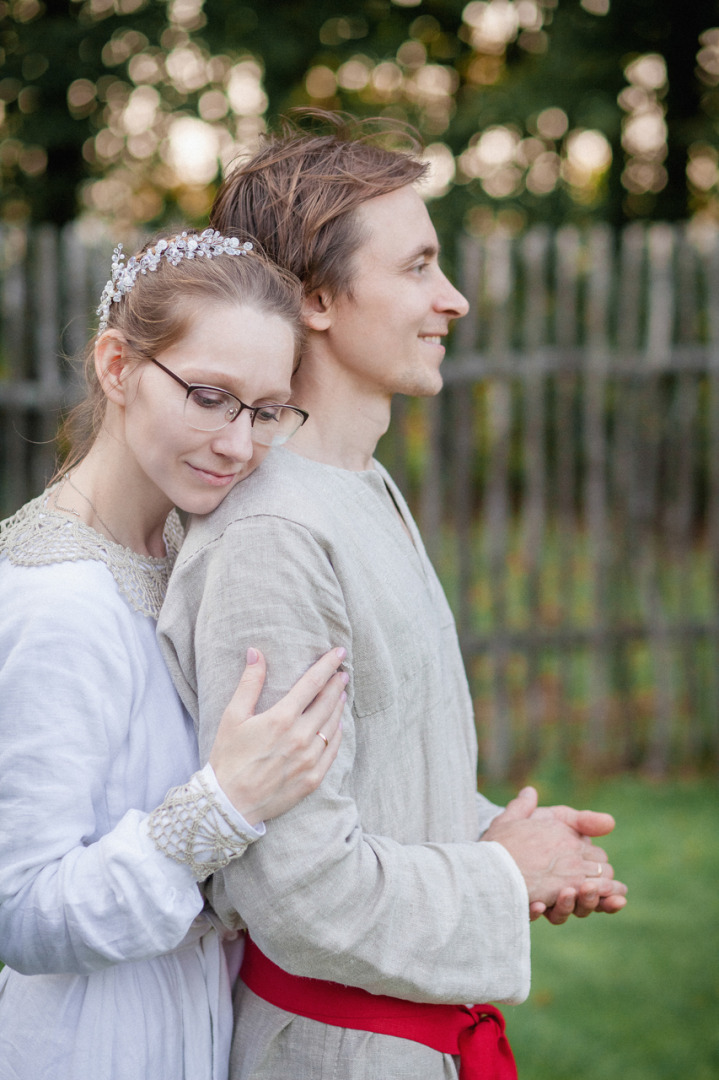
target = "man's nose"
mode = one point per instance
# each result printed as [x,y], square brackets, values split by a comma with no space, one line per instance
[451,301]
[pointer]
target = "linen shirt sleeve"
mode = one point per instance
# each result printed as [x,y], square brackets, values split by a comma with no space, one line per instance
[486,812]
[322,897]
[72,900]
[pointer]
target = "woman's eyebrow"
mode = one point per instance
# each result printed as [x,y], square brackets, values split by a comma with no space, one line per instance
[213,379]
[222,382]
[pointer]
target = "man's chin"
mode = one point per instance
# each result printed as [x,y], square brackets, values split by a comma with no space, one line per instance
[428,387]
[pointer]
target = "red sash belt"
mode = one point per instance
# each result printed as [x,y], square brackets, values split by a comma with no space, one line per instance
[475,1032]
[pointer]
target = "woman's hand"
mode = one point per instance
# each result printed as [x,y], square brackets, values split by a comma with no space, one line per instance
[267,763]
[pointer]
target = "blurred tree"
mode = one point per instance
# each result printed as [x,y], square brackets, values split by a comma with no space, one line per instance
[532,109]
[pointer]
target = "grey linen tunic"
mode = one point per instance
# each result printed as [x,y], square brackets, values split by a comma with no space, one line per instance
[376,880]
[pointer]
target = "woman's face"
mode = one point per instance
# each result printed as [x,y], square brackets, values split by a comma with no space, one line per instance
[243,350]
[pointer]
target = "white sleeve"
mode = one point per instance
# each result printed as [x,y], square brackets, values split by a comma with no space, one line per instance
[72,900]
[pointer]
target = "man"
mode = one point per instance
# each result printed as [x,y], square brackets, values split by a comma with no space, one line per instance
[379,880]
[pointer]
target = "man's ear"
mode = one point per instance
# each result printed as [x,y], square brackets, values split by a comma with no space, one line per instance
[317,310]
[112,365]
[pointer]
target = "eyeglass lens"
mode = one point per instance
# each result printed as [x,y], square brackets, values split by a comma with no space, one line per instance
[211,410]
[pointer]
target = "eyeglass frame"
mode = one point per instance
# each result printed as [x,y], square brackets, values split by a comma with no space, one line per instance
[251,409]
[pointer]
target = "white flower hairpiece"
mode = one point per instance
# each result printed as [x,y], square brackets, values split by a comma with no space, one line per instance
[208,244]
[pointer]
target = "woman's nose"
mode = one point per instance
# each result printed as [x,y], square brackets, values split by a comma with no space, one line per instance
[234,440]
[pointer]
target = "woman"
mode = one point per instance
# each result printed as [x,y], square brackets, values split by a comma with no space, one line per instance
[114,968]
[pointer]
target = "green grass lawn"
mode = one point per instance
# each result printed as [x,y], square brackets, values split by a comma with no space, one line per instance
[635,995]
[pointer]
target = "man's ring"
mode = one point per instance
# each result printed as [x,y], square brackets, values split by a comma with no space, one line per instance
[324,738]
[599,868]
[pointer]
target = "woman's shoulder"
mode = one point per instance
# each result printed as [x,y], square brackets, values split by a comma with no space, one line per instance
[66,624]
[52,573]
[65,555]
[57,578]
[75,595]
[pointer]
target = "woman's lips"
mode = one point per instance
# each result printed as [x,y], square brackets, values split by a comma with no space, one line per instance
[212,478]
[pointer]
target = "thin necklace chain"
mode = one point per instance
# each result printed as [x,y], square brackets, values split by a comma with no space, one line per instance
[68,509]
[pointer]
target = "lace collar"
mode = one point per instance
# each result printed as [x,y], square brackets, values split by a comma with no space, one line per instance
[39,536]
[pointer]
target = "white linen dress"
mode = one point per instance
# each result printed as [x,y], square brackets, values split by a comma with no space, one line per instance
[114,969]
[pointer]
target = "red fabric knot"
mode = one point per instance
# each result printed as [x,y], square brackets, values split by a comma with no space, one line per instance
[484,1048]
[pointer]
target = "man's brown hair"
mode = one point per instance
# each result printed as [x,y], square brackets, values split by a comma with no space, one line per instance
[297,195]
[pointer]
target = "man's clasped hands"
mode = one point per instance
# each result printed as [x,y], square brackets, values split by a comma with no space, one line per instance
[565,873]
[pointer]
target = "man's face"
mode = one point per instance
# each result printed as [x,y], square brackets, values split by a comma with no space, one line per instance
[389,334]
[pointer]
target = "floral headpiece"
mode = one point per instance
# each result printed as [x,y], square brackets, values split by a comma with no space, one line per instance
[208,245]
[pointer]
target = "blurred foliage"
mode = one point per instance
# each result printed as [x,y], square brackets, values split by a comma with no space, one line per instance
[533,110]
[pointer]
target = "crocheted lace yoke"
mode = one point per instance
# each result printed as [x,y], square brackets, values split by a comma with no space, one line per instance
[39,536]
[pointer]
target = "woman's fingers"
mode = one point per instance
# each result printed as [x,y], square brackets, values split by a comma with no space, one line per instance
[332,730]
[310,686]
[325,712]
[244,700]
[313,682]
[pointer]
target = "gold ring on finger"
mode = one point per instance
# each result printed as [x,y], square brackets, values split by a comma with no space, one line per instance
[324,738]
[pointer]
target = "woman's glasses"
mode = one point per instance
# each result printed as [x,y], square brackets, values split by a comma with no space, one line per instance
[207,408]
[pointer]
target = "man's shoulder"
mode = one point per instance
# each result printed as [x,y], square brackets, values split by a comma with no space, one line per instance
[286,486]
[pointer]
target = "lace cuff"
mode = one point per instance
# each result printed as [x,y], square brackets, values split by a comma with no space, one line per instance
[196,825]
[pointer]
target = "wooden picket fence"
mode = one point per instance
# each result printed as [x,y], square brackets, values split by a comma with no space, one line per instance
[566,481]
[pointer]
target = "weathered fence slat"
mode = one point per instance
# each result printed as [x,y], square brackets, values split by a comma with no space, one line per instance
[12,310]
[628,336]
[498,289]
[595,490]
[430,493]
[681,503]
[463,446]
[566,331]
[534,253]
[659,336]
[45,310]
[711,268]
[76,283]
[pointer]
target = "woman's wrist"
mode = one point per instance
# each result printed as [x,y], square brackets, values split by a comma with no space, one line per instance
[255,830]
[197,825]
